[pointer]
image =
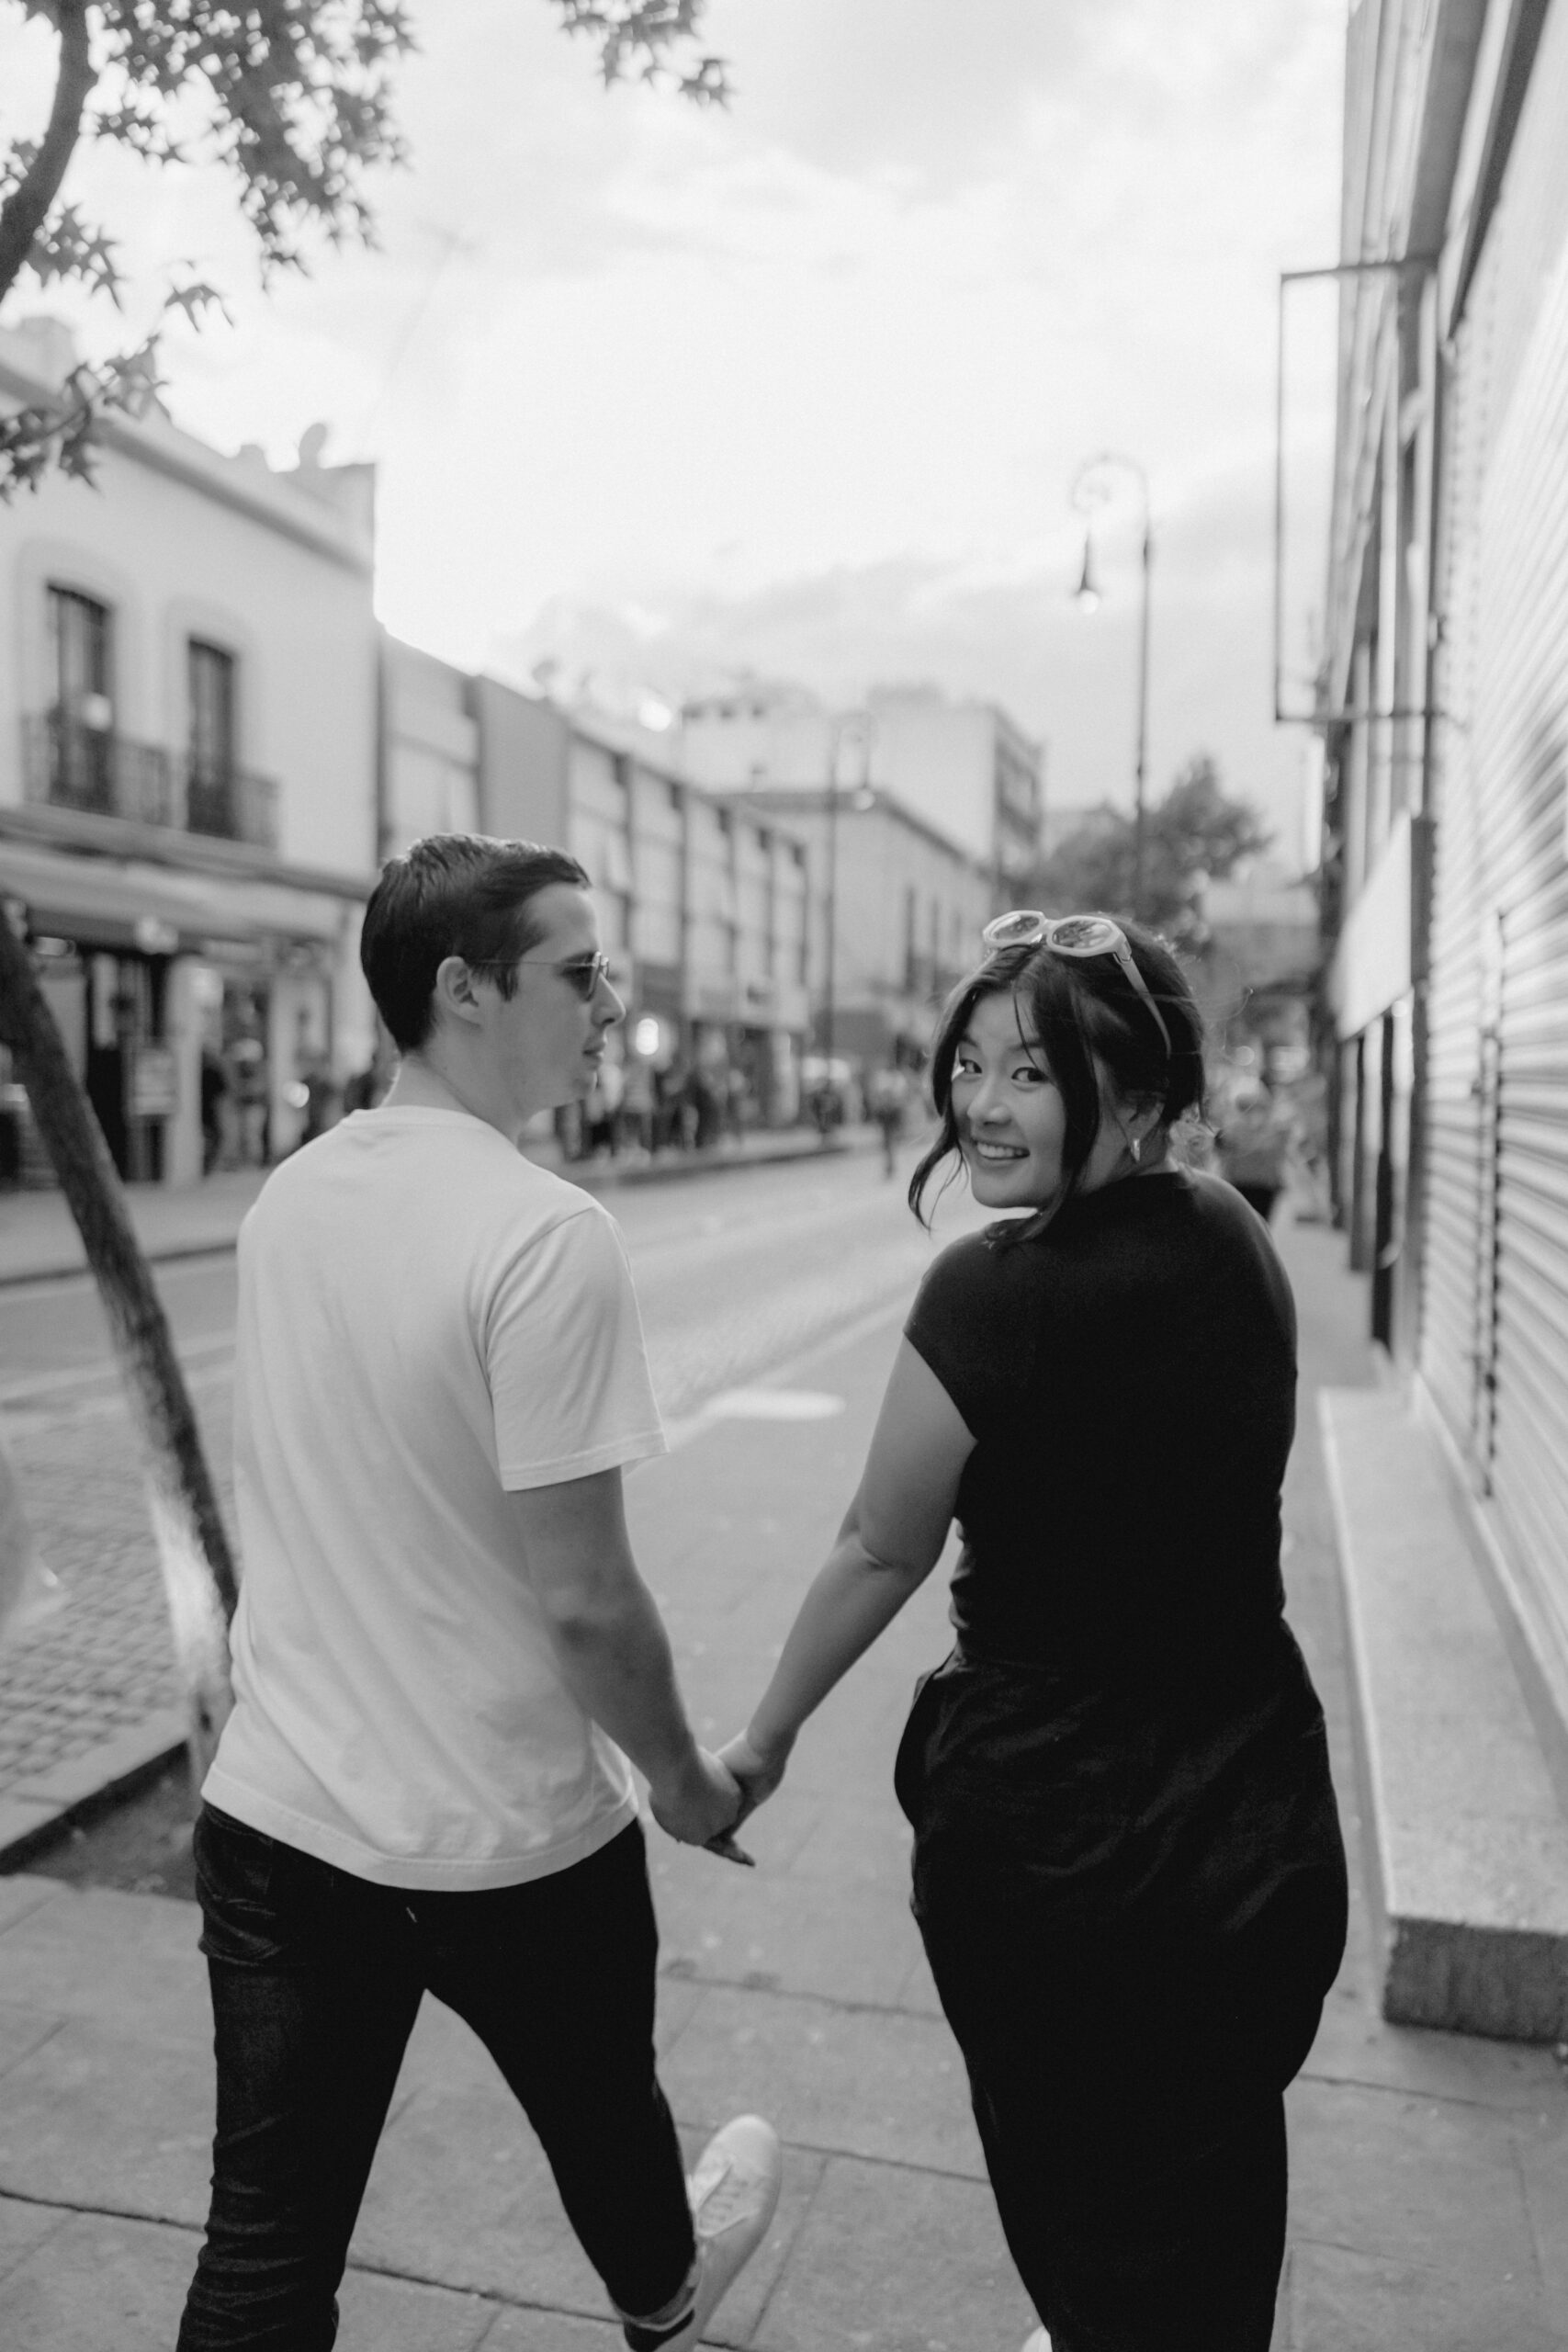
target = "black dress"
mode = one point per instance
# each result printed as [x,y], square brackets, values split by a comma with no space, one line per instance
[1128,1868]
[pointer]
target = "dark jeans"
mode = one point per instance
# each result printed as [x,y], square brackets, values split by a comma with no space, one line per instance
[317,1977]
[1134,2132]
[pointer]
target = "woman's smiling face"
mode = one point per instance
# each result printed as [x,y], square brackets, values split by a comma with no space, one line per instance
[1010,1117]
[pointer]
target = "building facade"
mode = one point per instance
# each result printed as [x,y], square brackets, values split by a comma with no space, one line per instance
[702,907]
[1445,716]
[963,768]
[896,912]
[428,764]
[187,779]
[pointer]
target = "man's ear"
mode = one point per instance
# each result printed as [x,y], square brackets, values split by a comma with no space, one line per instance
[453,994]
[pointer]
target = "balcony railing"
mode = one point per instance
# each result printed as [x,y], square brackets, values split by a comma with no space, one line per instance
[231,804]
[75,766]
[67,764]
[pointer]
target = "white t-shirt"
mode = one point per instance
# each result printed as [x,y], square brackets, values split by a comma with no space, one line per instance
[426,1320]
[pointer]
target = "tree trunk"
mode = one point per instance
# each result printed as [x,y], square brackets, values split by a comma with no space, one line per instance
[193,1550]
[26,210]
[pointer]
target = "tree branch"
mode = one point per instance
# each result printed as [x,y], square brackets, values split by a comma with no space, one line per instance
[26,208]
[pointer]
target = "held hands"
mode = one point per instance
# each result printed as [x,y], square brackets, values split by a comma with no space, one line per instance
[702,1807]
[756,1769]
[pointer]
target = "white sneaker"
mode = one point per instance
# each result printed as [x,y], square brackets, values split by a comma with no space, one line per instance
[733,2193]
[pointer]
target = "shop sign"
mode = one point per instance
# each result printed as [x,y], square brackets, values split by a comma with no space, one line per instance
[155,1082]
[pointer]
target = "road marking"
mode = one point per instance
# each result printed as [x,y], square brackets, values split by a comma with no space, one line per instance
[679,1432]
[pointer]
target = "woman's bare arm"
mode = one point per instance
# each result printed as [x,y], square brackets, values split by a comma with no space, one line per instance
[891,1539]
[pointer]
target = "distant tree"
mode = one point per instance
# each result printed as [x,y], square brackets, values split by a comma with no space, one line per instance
[294,99]
[1196,832]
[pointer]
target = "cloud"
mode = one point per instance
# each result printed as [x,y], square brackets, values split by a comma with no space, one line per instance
[1015,639]
[809,381]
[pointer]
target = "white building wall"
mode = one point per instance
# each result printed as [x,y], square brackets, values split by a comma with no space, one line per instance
[940,758]
[179,542]
[173,560]
[962,767]
[432,751]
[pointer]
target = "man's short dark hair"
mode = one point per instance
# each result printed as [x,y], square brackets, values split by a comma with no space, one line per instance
[452,894]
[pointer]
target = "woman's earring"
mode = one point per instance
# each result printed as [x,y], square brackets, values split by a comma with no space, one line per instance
[1135,1145]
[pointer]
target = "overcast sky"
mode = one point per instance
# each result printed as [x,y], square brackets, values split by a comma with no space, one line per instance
[802,386]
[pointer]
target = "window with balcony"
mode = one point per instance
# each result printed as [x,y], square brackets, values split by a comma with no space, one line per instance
[77,752]
[221,799]
[211,777]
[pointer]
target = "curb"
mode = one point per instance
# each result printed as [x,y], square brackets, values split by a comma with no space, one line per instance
[34,1812]
[702,1163]
[590,1180]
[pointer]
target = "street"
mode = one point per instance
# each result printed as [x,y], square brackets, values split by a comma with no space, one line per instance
[736,1274]
[1427,2168]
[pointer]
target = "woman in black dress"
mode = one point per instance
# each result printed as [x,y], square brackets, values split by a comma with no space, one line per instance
[1128,1870]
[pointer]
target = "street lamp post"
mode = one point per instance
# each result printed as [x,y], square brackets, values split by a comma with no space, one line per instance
[831,960]
[1091,490]
[854,722]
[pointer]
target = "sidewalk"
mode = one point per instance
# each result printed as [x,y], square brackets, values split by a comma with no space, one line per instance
[38,1238]
[1428,2211]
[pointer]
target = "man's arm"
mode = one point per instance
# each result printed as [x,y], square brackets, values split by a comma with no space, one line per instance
[612,1649]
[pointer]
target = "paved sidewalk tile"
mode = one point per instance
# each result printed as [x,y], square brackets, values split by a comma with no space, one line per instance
[24,2226]
[97,2281]
[125,1961]
[1337,2299]
[870,2083]
[524,2331]
[896,2259]
[785,1934]
[99,2117]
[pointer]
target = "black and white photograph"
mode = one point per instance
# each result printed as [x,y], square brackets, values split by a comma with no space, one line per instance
[784,1175]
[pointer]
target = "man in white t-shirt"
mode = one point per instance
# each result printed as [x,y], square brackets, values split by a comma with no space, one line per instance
[443,1654]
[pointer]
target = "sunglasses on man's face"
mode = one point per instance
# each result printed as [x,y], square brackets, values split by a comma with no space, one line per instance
[581,974]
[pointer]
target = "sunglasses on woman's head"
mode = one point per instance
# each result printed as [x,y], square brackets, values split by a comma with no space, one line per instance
[1073,935]
[582,974]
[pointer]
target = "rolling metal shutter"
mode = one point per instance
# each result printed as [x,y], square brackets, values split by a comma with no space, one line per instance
[1495,1345]
[1458,1158]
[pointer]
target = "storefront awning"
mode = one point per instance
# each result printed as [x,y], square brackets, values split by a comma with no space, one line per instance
[102,900]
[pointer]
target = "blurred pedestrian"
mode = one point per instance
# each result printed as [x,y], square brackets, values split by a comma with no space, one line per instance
[251,1093]
[738,1102]
[324,1102]
[214,1089]
[1128,1871]
[1253,1145]
[705,1106]
[669,1111]
[637,1105]
[443,1654]
[601,1112]
[364,1088]
[825,1106]
[887,1097]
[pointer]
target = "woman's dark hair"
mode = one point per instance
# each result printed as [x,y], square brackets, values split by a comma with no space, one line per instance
[1083,1009]
[452,894]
